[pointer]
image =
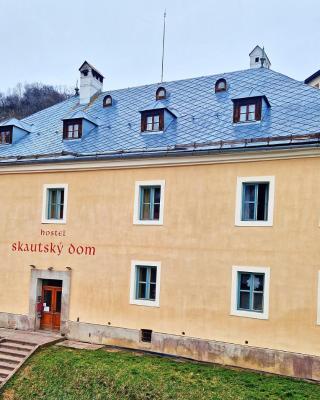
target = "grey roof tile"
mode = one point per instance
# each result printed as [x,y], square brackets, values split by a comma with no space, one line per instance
[203,116]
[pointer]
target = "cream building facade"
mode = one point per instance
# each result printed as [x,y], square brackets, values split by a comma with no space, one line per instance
[181,218]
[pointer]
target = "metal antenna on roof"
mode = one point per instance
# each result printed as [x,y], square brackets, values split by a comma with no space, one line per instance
[163,42]
[263,58]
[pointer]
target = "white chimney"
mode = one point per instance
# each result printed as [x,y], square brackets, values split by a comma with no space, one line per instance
[91,82]
[259,58]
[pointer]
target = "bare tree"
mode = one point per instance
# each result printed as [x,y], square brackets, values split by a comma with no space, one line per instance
[26,99]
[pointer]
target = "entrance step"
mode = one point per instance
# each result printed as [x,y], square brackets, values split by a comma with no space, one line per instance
[7,366]
[13,353]
[7,359]
[17,346]
[14,346]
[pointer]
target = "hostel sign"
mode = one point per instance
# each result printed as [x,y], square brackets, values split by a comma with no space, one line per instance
[51,247]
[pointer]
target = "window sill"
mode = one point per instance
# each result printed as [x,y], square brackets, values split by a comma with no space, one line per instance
[254,223]
[249,314]
[147,222]
[146,303]
[246,123]
[54,221]
[151,132]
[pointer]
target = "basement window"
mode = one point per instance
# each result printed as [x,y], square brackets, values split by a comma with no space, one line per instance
[152,121]
[5,135]
[54,207]
[72,129]
[255,198]
[146,335]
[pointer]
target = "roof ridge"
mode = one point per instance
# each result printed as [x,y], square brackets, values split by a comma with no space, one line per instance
[182,80]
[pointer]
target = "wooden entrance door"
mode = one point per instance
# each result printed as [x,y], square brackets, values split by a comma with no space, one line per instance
[51,311]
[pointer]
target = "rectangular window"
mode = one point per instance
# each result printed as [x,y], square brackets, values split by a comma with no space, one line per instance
[250,292]
[150,197]
[248,113]
[55,203]
[54,207]
[145,283]
[149,203]
[152,121]
[6,135]
[72,129]
[255,201]
[247,110]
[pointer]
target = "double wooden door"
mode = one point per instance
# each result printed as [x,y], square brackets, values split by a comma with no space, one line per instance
[51,308]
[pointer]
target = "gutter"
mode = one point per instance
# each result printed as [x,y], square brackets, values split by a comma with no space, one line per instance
[179,150]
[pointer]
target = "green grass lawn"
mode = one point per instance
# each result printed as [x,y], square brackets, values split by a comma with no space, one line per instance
[58,373]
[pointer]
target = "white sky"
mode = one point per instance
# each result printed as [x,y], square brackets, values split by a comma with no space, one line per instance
[47,40]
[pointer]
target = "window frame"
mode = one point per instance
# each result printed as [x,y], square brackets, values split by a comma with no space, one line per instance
[239,200]
[69,122]
[6,129]
[45,199]
[109,98]
[216,86]
[137,202]
[133,283]
[236,270]
[238,103]
[158,95]
[152,113]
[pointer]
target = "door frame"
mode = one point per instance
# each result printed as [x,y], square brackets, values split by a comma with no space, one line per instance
[37,276]
[54,290]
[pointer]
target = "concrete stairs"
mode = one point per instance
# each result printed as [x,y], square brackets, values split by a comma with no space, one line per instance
[13,353]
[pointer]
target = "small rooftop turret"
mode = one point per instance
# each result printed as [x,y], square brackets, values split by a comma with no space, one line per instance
[259,58]
[91,82]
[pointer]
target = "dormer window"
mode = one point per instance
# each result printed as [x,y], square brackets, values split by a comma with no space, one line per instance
[221,85]
[161,93]
[152,121]
[107,101]
[5,135]
[72,129]
[247,110]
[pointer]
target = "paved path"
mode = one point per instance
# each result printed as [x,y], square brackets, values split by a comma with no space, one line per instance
[17,346]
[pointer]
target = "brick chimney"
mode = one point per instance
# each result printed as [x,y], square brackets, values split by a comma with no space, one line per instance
[91,82]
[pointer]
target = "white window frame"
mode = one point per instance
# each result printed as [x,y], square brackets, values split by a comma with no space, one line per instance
[44,219]
[239,192]
[234,292]
[136,208]
[139,302]
[318,300]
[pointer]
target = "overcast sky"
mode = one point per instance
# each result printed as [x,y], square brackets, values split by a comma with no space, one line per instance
[47,41]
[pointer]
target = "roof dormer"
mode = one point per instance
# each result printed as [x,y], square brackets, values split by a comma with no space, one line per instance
[156,118]
[249,107]
[12,130]
[78,124]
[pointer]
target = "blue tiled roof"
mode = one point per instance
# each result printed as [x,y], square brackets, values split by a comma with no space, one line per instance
[202,116]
